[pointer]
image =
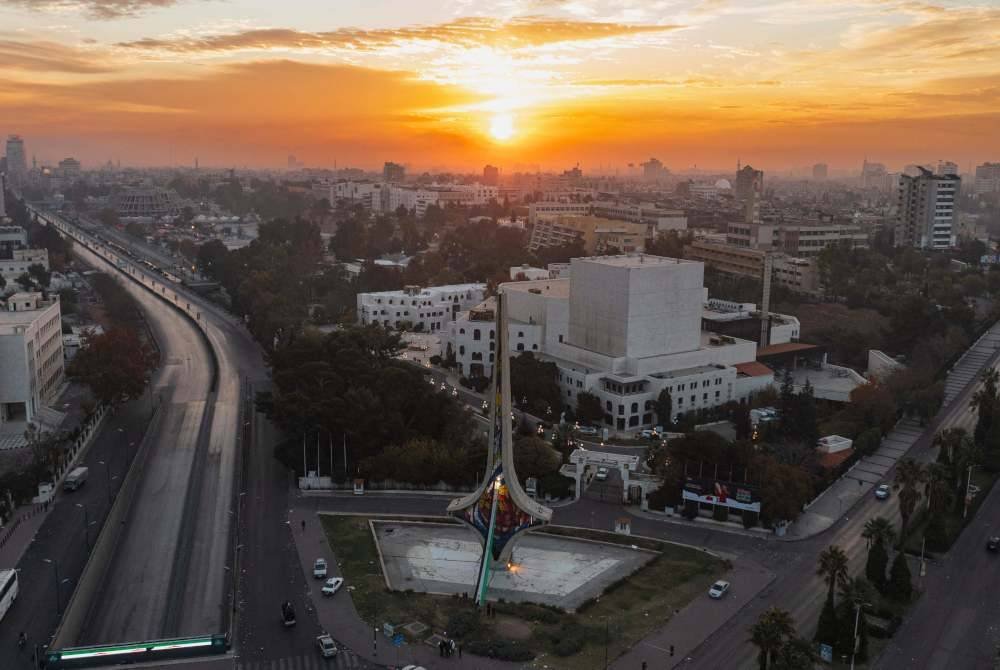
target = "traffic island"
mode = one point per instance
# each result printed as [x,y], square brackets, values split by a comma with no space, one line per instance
[572,596]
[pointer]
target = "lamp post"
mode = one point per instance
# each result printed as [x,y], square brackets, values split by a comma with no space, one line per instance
[107,481]
[55,566]
[968,488]
[86,524]
[857,620]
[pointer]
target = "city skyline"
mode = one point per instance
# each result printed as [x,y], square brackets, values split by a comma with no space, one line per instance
[444,85]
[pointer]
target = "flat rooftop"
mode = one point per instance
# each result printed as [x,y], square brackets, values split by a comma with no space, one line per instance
[555,288]
[634,260]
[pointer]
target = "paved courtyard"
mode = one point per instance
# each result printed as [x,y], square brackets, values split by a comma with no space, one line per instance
[444,559]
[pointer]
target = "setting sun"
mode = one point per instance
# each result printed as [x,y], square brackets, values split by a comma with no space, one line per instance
[502,127]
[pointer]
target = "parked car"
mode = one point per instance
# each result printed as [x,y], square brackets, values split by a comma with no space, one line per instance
[649,434]
[327,647]
[287,613]
[883,491]
[319,568]
[413,667]
[332,585]
[993,544]
[718,590]
[586,430]
[602,474]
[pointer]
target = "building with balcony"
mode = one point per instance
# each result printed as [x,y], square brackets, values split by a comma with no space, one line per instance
[621,327]
[595,233]
[421,309]
[926,210]
[31,355]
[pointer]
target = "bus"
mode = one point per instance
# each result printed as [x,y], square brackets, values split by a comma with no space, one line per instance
[8,590]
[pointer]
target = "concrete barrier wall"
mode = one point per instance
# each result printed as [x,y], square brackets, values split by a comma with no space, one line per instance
[99,561]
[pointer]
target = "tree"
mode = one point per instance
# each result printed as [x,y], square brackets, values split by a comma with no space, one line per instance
[769,634]
[211,258]
[533,384]
[664,408]
[984,401]
[900,586]
[41,276]
[832,567]
[116,365]
[880,534]
[533,457]
[108,217]
[828,627]
[909,474]
[25,281]
[856,595]
[795,654]
[588,409]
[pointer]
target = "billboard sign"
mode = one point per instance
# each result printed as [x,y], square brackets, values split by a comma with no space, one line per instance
[718,492]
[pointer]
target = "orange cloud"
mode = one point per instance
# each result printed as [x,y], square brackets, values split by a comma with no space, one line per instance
[48,57]
[468,32]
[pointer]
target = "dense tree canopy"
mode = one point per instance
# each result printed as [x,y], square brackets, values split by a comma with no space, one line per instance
[116,365]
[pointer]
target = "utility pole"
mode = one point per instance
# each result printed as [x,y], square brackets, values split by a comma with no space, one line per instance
[968,487]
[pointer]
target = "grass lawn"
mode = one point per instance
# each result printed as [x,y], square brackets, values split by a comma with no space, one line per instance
[626,613]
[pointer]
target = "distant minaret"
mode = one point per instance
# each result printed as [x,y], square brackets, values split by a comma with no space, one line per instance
[196,163]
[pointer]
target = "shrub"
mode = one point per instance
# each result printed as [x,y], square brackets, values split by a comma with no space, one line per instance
[749,520]
[505,650]
[690,510]
[720,513]
[570,638]
[463,623]
[435,360]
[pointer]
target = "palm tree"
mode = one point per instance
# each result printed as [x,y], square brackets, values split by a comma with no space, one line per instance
[984,400]
[909,474]
[879,530]
[832,567]
[770,632]
[938,488]
[949,441]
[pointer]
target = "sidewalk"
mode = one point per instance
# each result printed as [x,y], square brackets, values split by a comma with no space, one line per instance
[338,617]
[20,531]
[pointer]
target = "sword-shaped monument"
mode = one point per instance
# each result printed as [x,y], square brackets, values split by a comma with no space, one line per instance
[499,509]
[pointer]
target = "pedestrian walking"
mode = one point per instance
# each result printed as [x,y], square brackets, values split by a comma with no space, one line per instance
[303,525]
[460,651]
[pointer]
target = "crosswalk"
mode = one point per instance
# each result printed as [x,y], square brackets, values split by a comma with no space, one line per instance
[345,660]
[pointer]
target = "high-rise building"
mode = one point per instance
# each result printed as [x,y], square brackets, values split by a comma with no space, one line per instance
[926,210]
[393,173]
[947,167]
[654,170]
[491,175]
[749,183]
[69,167]
[987,178]
[17,162]
[820,171]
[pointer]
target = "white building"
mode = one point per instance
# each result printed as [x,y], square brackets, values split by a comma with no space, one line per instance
[31,355]
[415,308]
[926,210]
[622,328]
[18,264]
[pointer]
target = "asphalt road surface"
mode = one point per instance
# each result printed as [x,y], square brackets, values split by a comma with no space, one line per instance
[133,602]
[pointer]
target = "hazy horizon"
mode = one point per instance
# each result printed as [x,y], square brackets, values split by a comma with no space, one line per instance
[453,85]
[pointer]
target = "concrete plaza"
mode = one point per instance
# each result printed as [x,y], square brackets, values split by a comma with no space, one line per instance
[560,571]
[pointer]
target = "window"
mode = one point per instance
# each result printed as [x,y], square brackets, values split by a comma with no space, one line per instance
[520,346]
[635,407]
[621,410]
[607,405]
[680,401]
[476,335]
[694,399]
[520,333]
[493,334]
[579,384]
[633,421]
[461,350]
[716,395]
[560,338]
[491,358]
[534,347]
[704,396]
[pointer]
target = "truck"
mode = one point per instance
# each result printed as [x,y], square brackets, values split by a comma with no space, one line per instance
[75,479]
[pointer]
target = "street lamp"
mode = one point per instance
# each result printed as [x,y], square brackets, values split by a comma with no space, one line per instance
[109,479]
[86,523]
[55,566]
[968,489]
[857,619]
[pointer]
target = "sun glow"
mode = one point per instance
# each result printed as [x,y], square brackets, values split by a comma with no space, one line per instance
[502,126]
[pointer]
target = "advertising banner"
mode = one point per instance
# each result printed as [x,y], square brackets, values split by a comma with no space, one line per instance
[718,492]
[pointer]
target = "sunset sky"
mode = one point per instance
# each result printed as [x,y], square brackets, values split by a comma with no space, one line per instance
[516,83]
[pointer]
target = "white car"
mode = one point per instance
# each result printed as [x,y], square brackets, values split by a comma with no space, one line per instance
[586,430]
[602,474]
[413,667]
[327,647]
[718,589]
[319,568]
[332,585]
[882,492]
